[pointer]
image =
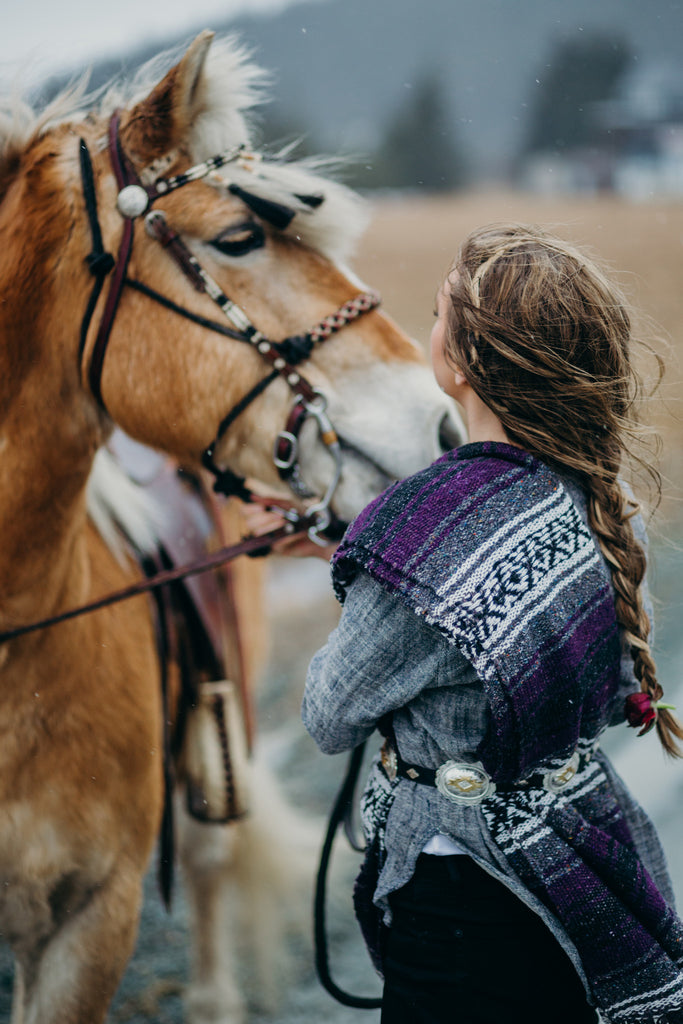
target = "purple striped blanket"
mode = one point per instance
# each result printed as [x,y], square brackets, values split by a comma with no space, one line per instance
[489,547]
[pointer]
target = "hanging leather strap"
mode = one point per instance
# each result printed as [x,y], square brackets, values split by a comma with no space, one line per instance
[341,811]
[162,631]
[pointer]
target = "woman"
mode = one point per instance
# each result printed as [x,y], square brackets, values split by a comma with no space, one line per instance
[494,624]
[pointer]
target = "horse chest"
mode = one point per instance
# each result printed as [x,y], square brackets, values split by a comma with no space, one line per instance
[46,873]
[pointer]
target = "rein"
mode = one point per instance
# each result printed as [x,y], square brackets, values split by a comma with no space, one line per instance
[252,546]
[283,357]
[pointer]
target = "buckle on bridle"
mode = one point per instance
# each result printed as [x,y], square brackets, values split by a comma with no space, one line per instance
[285,450]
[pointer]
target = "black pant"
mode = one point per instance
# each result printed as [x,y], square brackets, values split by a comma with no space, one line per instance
[463,949]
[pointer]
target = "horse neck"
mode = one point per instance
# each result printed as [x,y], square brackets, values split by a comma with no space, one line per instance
[49,430]
[42,515]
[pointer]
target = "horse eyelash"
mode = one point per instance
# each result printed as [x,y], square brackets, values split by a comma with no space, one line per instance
[247,237]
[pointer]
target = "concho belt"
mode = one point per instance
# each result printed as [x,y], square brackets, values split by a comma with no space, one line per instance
[466,782]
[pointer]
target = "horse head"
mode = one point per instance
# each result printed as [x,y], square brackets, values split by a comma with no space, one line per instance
[169,279]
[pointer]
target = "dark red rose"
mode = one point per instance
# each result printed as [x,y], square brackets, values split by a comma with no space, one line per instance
[639,710]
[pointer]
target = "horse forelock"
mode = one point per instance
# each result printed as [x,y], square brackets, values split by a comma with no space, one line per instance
[332,226]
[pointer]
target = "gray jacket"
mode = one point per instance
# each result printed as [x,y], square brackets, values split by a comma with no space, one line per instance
[383,658]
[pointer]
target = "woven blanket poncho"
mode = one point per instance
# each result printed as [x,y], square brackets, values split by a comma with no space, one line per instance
[489,547]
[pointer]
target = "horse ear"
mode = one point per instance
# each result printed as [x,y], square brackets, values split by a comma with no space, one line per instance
[162,121]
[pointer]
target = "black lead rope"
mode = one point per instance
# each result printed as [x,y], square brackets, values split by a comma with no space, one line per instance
[341,812]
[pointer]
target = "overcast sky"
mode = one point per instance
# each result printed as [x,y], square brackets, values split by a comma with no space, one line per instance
[42,36]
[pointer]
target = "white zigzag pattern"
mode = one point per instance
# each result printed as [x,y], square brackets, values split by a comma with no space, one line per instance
[519,527]
[647,1003]
[525,832]
[578,565]
[524,574]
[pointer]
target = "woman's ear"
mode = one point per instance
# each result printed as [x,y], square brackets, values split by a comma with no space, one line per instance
[460,377]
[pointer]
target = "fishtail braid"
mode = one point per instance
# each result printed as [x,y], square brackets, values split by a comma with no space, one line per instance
[626,560]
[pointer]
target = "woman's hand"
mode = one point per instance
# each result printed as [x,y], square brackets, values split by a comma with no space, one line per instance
[262,518]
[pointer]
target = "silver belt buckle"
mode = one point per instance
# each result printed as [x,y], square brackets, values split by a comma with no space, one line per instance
[464,783]
[556,780]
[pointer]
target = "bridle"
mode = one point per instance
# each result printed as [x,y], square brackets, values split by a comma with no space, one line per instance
[135,199]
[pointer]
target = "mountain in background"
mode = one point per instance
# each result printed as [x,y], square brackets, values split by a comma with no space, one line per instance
[346,72]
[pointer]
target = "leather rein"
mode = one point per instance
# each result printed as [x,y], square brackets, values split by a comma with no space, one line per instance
[283,357]
[252,546]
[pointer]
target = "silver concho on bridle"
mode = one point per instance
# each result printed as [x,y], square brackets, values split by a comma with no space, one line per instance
[132,201]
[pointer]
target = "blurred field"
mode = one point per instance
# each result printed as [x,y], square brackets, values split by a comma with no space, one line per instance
[411,242]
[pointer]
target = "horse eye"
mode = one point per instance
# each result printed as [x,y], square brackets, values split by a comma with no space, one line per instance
[240,239]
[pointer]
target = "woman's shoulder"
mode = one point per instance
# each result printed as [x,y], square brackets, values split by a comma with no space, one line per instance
[475,476]
[443,513]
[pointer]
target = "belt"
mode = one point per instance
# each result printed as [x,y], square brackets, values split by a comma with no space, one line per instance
[465,782]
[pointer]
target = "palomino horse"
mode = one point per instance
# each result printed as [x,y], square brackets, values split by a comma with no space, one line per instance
[90,340]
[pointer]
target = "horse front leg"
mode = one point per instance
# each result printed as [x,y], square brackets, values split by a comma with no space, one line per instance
[70,976]
[249,887]
[208,853]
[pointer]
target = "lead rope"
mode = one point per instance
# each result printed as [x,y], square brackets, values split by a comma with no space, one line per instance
[341,814]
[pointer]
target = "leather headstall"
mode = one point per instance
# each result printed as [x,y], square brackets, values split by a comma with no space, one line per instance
[283,357]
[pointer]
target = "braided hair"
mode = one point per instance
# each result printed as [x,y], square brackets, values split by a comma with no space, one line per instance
[543,338]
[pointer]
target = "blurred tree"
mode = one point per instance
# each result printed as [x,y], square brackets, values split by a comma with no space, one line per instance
[580,72]
[419,149]
[278,126]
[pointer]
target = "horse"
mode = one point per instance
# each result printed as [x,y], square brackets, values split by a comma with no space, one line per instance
[158,275]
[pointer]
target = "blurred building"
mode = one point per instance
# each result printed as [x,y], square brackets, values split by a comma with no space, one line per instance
[637,146]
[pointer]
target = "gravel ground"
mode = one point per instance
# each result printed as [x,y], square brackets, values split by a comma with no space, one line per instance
[151,990]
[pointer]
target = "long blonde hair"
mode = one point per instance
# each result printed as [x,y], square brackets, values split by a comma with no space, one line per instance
[543,337]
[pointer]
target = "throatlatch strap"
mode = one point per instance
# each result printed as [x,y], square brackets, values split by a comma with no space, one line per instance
[100,263]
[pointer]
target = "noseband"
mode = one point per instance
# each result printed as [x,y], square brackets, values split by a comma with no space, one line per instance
[283,357]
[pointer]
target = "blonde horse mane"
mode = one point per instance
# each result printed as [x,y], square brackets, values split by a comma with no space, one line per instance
[232,87]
